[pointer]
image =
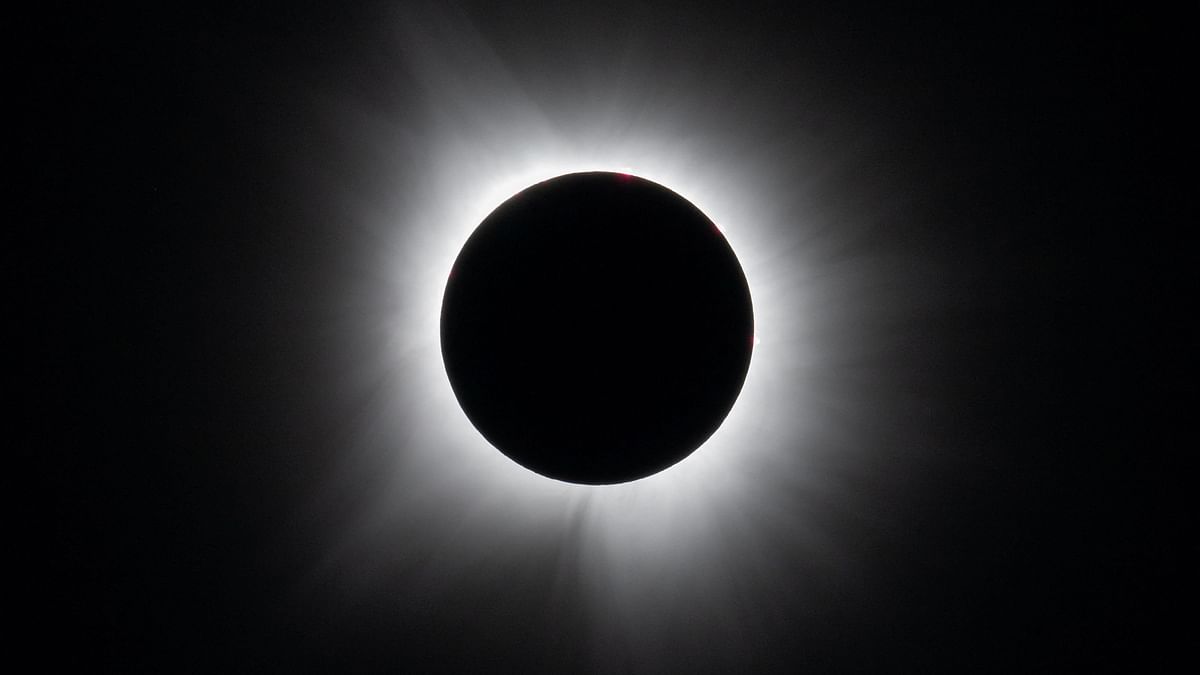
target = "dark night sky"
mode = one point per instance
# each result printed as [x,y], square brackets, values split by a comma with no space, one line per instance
[199,181]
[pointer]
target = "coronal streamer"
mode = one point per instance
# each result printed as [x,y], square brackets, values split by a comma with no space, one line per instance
[775,480]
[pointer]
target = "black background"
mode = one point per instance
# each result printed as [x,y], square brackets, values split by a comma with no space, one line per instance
[175,240]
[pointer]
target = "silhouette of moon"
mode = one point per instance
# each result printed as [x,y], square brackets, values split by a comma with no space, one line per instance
[597,328]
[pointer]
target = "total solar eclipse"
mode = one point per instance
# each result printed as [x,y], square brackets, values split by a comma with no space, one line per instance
[597,328]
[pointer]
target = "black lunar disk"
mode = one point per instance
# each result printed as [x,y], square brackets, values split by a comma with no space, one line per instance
[597,328]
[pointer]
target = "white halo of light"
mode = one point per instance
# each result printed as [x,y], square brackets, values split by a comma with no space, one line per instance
[613,508]
[777,467]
